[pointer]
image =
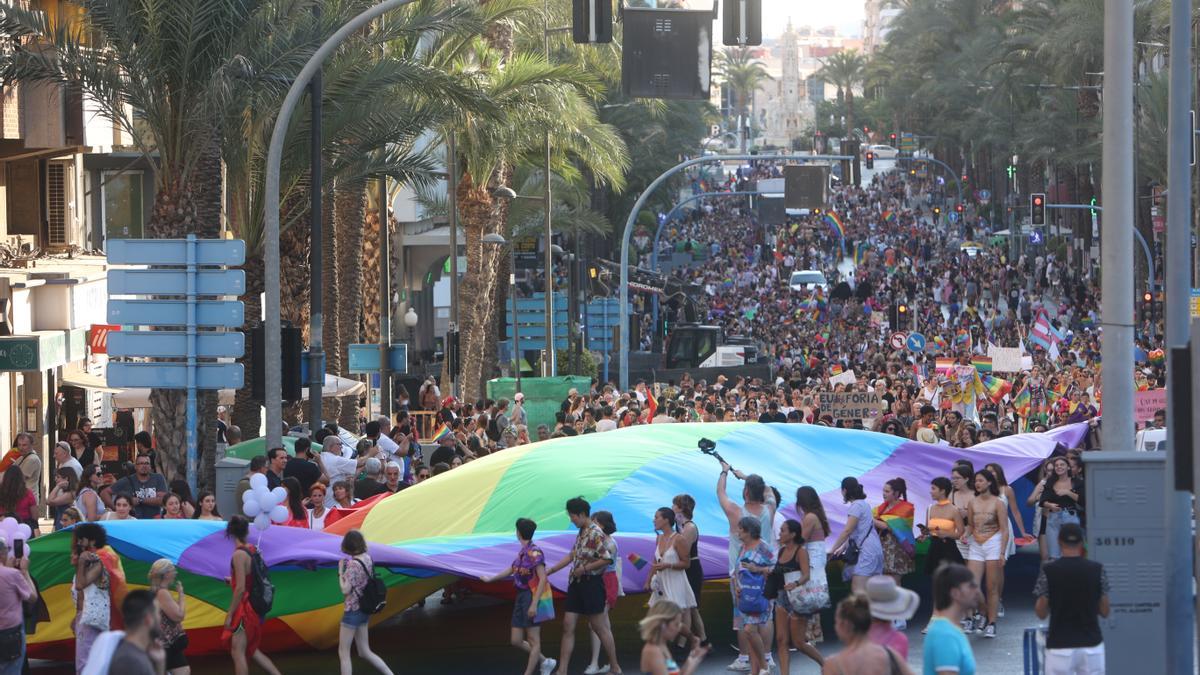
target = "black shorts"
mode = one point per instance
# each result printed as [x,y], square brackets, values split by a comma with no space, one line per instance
[174,652]
[585,595]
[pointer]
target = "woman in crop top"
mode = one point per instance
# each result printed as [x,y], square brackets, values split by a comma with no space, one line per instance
[943,527]
[987,540]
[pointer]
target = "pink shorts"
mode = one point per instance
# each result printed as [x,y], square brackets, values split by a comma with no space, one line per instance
[610,589]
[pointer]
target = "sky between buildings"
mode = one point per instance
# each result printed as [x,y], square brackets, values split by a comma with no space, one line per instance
[845,15]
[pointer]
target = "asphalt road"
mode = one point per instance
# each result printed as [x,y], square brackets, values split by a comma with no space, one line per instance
[471,637]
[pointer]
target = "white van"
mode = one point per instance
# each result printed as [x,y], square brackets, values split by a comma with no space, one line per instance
[1151,440]
[808,281]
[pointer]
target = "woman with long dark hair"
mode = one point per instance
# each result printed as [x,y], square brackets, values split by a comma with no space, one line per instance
[684,506]
[208,507]
[792,609]
[943,527]
[988,540]
[814,529]
[1062,502]
[295,503]
[961,494]
[859,536]
[243,626]
[894,521]
[16,500]
[668,575]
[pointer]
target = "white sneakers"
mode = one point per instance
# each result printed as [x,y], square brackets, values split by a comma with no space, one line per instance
[596,670]
[548,665]
[740,664]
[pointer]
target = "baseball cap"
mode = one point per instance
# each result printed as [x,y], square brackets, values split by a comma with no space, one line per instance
[1070,533]
[519,396]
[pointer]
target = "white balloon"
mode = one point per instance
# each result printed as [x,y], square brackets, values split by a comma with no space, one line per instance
[249,496]
[23,532]
[280,514]
[281,494]
[258,482]
[251,508]
[262,521]
[266,500]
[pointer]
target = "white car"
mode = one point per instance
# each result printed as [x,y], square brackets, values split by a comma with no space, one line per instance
[884,151]
[808,280]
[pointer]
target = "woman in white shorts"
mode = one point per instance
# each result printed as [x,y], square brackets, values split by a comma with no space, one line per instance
[987,543]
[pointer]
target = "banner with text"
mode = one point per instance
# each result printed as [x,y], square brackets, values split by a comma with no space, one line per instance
[1146,402]
[850,405]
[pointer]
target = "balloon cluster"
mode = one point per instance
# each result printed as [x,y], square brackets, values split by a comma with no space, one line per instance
[264,505]
[11,530]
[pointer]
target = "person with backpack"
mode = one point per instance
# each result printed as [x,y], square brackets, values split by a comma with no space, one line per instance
[365,595]
[250,602]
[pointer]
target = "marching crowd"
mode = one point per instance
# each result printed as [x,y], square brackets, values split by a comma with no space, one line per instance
[966,303]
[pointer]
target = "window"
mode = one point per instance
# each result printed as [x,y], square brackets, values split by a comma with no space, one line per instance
[121,206]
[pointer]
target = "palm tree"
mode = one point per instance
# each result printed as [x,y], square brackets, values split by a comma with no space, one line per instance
[743,73]
[171,63]
[844,70]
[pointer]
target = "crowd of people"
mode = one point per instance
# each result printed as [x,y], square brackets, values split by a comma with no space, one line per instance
[965,302]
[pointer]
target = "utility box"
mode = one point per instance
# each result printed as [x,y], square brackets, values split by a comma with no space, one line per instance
[230,470]
[1126,533]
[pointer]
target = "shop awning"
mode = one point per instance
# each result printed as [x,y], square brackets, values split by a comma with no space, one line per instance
[88,381]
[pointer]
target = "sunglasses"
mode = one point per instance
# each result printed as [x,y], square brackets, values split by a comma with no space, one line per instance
[422,476]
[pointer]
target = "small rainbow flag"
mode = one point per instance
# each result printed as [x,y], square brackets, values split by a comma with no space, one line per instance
[637,561]
[899,519]
[943,365]
[889,216]
[982,363]
[1022,402]
[835,369]
[836,225]
[441,432]
[996,387]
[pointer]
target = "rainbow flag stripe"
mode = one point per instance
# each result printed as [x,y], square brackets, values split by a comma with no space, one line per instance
[899,519]
[996,387]
[1022,402]
[982,363]
[889,216]
[944,365]
[637,561]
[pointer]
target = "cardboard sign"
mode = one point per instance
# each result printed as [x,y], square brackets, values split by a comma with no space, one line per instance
[843,378]
[850,405]
[1005,359]
[1146,402]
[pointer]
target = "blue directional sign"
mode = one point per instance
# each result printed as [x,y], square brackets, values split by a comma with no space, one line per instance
[914,343]
[198,276]
[217,314]
[174,282]
[1035,237]
[175,375]
[954,216]
[174,251]
[173,344]
[364,358]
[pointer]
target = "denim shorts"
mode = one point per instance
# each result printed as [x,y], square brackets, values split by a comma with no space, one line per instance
[355,618]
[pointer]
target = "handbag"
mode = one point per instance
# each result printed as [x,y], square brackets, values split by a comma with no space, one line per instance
[545,606]
[807,599]
[853,549]
[11,643]
[750,593]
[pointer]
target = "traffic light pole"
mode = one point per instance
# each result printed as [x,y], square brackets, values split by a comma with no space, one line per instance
[627,236]
[1137,235]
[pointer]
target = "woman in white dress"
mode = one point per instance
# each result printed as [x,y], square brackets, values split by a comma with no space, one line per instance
[668,575]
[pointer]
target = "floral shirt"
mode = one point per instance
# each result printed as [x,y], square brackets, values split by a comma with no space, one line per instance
[525,566]
[590,546]
[354,579]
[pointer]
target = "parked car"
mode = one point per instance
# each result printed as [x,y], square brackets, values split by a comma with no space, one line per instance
[1151,440]
[808,281]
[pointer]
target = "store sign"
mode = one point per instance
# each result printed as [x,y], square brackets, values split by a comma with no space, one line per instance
[18,354]
[98,337]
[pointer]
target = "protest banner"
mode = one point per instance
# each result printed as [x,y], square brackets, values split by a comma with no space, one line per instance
[850,405]
[843,378]
[1146,402]
[1005,359]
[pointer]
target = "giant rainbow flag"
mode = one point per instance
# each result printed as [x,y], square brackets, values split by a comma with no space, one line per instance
[460,524]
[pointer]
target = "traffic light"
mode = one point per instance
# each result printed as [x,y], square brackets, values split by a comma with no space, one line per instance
[870,160]
[937,214]
[1148,308]
[892,138]
[958,207]
[290,355]
[901,316]
[1037,208]
[591,22]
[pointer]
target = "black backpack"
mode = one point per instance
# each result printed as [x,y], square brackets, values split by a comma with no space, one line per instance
[373,596]
[262,591]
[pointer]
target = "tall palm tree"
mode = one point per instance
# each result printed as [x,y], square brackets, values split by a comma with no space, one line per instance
[844,70]
[169,61]
[743,73]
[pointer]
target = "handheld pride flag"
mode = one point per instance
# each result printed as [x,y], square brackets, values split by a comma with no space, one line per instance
[836,225]
[899,519]
[638,561]
[982,363]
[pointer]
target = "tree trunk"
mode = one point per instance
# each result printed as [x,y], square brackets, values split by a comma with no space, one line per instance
[349,214]
[247,412]
[294,285]
[370,282]
[190,206]
[479,215]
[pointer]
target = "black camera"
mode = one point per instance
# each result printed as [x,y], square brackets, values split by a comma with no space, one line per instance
[706,446]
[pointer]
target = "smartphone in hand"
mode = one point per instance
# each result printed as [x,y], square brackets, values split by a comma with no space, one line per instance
[18,548]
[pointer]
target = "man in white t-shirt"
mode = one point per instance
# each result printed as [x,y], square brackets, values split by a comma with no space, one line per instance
[387,447]
[334,467]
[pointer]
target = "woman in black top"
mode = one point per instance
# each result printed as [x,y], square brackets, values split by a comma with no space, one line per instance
[683,505]
[791,623]
[1061,502]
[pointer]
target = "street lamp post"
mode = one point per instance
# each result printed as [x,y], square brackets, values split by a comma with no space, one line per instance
[410,321]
